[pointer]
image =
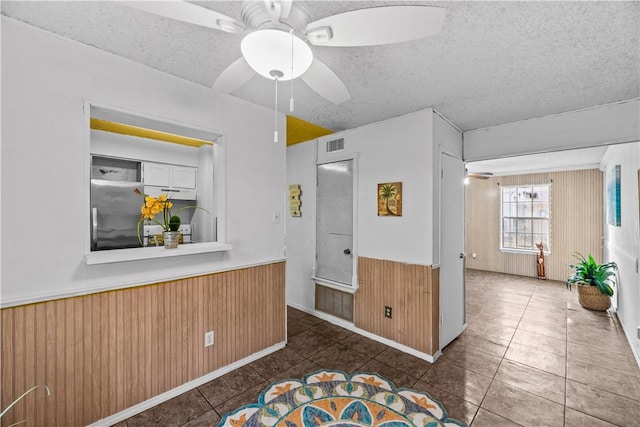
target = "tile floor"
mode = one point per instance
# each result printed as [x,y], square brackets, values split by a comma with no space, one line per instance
[531,356]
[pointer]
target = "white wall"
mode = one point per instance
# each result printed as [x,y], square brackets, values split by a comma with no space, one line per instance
[602,125]
[45,81]
[623,243]
[301,230]
[398,149]
[447,139]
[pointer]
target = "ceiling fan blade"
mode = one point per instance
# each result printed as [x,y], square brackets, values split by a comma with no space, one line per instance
[377,26]
[234,76]
[189,12]
[476,176]
[323,80]
[479,175]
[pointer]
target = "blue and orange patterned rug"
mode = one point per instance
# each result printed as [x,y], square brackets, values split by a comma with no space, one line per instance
[335,398]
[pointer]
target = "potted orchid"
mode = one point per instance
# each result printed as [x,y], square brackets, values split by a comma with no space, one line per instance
[170,223]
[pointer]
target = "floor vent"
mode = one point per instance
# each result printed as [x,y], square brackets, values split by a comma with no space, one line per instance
[335,145]
[334,302]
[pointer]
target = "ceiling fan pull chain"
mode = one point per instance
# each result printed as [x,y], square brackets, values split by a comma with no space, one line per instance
[275,114]
[291,100]
[276,74]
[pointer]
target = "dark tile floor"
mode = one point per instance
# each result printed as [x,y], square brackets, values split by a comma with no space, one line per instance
[531,356]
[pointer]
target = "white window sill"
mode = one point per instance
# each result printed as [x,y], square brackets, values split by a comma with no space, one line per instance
[334,285]
[522,251]
[136,254]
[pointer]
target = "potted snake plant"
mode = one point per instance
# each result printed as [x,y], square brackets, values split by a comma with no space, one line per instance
[594,281]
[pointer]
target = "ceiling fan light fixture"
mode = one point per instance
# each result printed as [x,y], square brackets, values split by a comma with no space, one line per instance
[271,50]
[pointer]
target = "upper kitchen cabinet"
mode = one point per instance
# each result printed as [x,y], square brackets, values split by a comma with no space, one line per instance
[183,177]
[157,174]
[175,180]
[171,176]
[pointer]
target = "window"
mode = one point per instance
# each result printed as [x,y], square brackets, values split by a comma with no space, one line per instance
[129,152]
[525,217]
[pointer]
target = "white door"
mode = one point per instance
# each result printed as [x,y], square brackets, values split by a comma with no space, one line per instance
[334,222]
[452,298]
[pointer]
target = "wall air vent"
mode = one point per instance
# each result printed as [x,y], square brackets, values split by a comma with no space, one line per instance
[335,145]
[334,302]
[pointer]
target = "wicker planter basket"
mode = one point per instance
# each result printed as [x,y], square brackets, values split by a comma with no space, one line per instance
[590,297]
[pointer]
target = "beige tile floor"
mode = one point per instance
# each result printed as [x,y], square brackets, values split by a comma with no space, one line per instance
[531,356]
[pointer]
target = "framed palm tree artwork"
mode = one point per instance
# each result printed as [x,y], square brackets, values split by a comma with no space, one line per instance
[390,199]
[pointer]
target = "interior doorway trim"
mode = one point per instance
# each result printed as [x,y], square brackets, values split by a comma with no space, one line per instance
[337,157]
[343,157]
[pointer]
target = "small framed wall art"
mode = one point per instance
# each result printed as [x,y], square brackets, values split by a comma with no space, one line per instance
[613,196]
[294,200]
[390,199]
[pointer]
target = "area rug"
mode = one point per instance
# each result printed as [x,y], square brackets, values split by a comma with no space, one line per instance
[335,398]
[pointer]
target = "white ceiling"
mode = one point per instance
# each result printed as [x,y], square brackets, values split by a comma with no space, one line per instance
[493,63]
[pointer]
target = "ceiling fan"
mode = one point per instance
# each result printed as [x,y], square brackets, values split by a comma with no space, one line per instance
[279,32]
[477,175]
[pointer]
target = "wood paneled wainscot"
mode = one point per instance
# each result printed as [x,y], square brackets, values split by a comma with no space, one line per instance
[105,352]
[411,290]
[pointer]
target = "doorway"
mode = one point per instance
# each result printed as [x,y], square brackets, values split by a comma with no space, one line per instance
[334,223]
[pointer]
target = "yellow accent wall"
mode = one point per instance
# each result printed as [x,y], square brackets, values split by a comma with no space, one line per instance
[115,127]
[299,130]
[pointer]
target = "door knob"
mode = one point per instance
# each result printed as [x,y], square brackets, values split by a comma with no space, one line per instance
[347,251]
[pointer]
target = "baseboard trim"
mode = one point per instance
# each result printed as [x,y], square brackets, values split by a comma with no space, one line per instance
[630,338]
[350,326]
[161,398]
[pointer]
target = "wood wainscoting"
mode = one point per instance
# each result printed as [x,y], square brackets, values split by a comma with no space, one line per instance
[413,293]
[105,352]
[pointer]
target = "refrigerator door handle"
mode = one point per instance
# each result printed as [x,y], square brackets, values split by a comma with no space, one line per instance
[94,228]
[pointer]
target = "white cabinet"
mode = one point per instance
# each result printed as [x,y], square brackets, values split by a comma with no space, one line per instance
[157,174]
[183,177]
[179,182]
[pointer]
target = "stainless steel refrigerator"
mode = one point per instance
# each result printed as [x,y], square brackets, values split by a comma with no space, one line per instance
[115,205]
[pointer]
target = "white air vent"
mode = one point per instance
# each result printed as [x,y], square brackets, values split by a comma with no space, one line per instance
[335,145]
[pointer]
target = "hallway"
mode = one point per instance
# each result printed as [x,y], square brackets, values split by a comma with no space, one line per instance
[547,356]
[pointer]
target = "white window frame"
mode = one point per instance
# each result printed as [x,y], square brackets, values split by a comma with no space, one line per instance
[547,247]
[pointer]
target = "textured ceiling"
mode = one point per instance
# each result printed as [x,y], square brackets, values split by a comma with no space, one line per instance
[493,63]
